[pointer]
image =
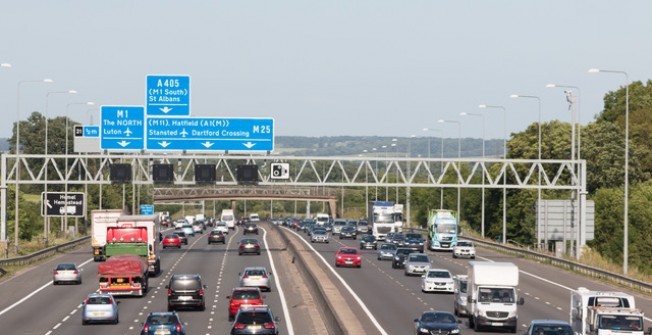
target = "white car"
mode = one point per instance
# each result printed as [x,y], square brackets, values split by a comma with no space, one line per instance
[437,280]
[221,226]
[464,249]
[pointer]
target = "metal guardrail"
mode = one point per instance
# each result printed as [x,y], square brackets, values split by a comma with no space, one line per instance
[583,269]
[41,254]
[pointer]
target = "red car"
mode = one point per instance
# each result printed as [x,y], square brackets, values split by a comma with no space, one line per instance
[348,256]
[171,241]
[243,296]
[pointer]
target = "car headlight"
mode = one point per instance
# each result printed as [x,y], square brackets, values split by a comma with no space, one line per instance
[423,330]
[455,331]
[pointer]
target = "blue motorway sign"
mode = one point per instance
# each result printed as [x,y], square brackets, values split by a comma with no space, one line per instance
[168,95]
[210,134]
[146,209]
[91,131]
[123,128]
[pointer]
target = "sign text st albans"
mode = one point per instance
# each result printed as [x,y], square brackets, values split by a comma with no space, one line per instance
[168,95]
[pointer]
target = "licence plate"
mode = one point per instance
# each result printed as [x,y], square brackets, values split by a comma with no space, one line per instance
[255,327]
[249,246]
[98,313]
[348,261]
[185,297]
[162,332]
[497,324]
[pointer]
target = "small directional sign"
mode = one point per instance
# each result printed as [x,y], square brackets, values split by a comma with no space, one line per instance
[210,134]
[63,204]
[146,209]
[123,128]
[168,95]
[91,131]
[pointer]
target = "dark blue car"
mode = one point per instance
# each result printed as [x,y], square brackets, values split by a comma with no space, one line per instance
[163,323]
[437,322]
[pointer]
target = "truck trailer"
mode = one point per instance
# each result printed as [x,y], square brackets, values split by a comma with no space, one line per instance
[135,235]
[123,275]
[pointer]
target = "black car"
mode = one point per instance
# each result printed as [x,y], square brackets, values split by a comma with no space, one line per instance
[436,322]
[250,228]
[186,291]
[398,239]
[255,319]
[249,246]
[400,256]
[182,236]
[414,241]
[368,242]
[349,232]
[216,236]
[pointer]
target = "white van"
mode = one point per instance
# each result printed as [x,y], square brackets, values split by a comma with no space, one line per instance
[228,217]
[254,217]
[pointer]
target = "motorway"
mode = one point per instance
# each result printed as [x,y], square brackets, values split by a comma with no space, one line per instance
[395,300]
[30,304]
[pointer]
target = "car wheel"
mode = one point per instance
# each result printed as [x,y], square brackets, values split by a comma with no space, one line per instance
[223,242]
[258,253]
[454,256]
[359,266]
[202,308]
[239,253]
[337,265]
[79,282]
[117,320]
[231,317]
[170,309]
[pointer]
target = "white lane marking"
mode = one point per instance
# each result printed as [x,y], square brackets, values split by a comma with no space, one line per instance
[278,285]
[348,288]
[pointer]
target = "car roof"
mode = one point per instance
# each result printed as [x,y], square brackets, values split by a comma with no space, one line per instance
[246,288]
[248,239]
[438,270]
[95,294]
[255,268]
[348,248]
[549,322]
[185,276]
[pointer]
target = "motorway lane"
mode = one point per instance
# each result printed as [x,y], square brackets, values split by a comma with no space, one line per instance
[56,309]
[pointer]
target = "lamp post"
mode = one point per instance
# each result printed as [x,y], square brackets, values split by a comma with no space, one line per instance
[483,156]
[459,155]
[386,187]
[625,209]
[409,181]
[505,158]
[395,144]
[17,198]
[366,186]
[376,172]
[441,164]
[46,228]
[545,234]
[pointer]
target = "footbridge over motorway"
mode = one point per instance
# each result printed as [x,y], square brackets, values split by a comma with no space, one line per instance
[309,194]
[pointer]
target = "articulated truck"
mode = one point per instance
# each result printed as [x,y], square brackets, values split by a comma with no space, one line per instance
[124,275]
[385,217]
[134,235]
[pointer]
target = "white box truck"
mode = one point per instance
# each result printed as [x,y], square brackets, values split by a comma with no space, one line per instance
[100,220]
[492,299]
[229,217]
[605,313]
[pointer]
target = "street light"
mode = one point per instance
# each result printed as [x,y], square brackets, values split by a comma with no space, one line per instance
[459,155]
[483,106]
[46,229]
[386,187]
[625,210]
[376,172]
[441,163]
[17,200]
[545,237]
[483,156]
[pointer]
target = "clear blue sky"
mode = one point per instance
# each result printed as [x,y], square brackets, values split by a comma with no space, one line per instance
[326,68]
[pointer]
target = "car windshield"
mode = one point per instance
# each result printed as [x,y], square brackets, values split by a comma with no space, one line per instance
[464,244]
[185,284]
[319,231]
[419,258]
[339,223]
[369,238]
[348,251]
[438,318]
[552,330]
[463,285]
[403,251]
[221,224]
[66,266]
[439,274]
[162,319]
[99,301]
[255,272]
[496,295]
[388,247]
[249,241]
[172,236]
[412,236]
[180,233]
[362,223]
[446,228]
[249,318]
[621,322]
[248,294]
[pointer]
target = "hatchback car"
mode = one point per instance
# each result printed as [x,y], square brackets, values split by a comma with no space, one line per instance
[187,228]
[414,241]
[338,225]
[437,280]
[198,227]
[348,256]
[182,236]
[66,273]
[348,232]
[216,236]
[255,319]
[186,291]
[163,323]
[99,308]
[221,226]
[249,246]
[256,276]
[464,249]
[243,296]
[400,255]
[436,322]
[319,235]
[368,242]
[549,327]
[363,227]
[417,263]
[386,251]
[171,241]
[250,228]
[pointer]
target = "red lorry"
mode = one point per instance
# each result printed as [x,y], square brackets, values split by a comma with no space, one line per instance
[124,275]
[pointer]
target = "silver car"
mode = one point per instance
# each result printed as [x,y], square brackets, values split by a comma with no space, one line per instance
[338,225]
[386,251]
[464,249]
[416,264]
[99,308]
[256,276]
[319,235]
[187,228]
[66,273]
[460,290]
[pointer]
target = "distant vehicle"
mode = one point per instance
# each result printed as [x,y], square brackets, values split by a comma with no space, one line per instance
[543,327]
[460,290]
[319,235]
[348,256]
[100,220]
[163,323]
[228,217]
[171,241]
[464,249]
[198,227]
[253,217]
[605,312]
[437,280]
[386,251]
[249,246]
[338,224]
[182,236]
[363,227]
[368,242]
[255,319]
[99,308]
[348,232]
[216,236]
[250,228]
[414,241]
[243,296]
[384,217]
[398,239]
[180,222]
[221,226]
[187,228]
[322,219]
[186,291]
[256,276]
[417,263]
[400,255]
[436,322]
[66,273]
[442,229]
